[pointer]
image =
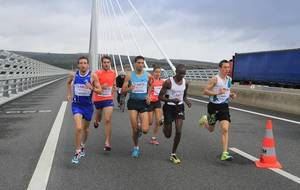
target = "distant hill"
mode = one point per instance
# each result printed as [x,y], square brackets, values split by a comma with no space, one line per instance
[66,61]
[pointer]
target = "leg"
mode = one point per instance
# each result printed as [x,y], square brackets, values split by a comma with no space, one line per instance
[225,127]
[133,115]
[78,131]
[85,130]
[98,115]
[107,123]
[144,122]
[150,116]
[118,97]
[178,126]
[157,112]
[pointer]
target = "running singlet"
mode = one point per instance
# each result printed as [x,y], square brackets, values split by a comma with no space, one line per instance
[140,86]
[176,91]
[82,95]
[157,85]
[108,78]
[223,98]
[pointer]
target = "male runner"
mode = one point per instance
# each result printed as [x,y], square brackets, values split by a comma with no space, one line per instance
[104,101]
[138,100]
[155,105]
[119,83]
[218,90]
[84,83]
[174,94]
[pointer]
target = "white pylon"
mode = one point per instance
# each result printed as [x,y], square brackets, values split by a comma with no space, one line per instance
[93,49]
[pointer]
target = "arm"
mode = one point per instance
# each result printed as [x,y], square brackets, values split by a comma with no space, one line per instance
[185,99]
[208,89]
[162,94]
[125,88]
[233,95]
[69,86]
[96,85]
[149,86]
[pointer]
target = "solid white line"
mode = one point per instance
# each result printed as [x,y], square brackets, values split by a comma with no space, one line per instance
[39,179]
[278,171]
[252,112]
[29,111]
[12,112]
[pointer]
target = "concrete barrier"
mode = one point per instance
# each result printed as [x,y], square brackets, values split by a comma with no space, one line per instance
[275,101]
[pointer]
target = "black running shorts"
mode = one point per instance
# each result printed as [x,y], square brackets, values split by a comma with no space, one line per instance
[173,112]
[139,105]
[217,112]
[154,105]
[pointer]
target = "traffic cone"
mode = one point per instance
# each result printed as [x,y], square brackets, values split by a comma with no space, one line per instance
[268,157]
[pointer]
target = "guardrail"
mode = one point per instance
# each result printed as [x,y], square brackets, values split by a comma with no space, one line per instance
[19,74]
[198,74]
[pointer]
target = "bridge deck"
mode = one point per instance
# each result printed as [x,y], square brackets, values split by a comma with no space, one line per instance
[26,123]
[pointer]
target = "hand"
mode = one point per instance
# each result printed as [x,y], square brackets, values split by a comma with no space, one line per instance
[175,101]
[222,91]
[130,88]
[69,98]
[148,101]
[233,95]
[89,86]
[188,103]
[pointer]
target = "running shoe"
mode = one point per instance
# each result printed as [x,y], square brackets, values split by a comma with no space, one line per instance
[226,156]
[135,152]
[107,147]
[82,152]
[203,121]
[154,141]
[75,159]
[174,159]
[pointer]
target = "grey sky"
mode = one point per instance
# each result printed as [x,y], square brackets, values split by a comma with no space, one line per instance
[191,29]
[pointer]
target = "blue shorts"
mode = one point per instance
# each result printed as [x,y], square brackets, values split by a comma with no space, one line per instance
[104,104]
[85,110]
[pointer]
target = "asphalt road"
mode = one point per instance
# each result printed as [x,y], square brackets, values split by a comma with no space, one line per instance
[23,136]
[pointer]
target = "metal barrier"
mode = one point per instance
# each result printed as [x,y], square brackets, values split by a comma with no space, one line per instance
[19,74]
[198,74]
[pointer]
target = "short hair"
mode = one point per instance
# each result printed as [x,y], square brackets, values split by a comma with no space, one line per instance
[105,57]
[180,67]
[222,62]
[138,57]
[156,67]
[83,57]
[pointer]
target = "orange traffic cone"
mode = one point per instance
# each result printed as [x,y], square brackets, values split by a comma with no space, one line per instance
[268,157]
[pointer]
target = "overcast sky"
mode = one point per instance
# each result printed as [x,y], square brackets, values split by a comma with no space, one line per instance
[188,29]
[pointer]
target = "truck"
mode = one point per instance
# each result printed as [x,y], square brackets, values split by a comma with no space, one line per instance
[279,68]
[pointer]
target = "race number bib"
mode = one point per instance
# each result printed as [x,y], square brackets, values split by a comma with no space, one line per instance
[140,87]
[81,90]
[157,90]
[106,91]
[178,95]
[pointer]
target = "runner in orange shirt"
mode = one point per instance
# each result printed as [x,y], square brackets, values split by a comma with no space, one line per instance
[155,105]
[104,102]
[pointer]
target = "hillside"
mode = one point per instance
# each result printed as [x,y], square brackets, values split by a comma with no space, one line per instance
[68,60]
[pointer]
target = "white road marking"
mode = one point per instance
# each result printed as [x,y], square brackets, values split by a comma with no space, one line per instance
[39,179]
[45,111]
[278,171]
[252,112]
[12,112]
[29,111]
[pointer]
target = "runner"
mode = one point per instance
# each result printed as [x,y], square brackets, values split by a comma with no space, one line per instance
[104,101]
[155,105]
[174,94]
[84,83]
[119,82]
[218,90]
[138,100]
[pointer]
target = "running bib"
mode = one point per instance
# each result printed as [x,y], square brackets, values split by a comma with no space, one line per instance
[106,92]
[157,90]
[140,88]
[81,90]
[178,95]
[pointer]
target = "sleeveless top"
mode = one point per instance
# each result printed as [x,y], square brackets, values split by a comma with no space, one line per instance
[223,98]
[176,91]
[140,86]
[157,86]
[82,95]
[105,77]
